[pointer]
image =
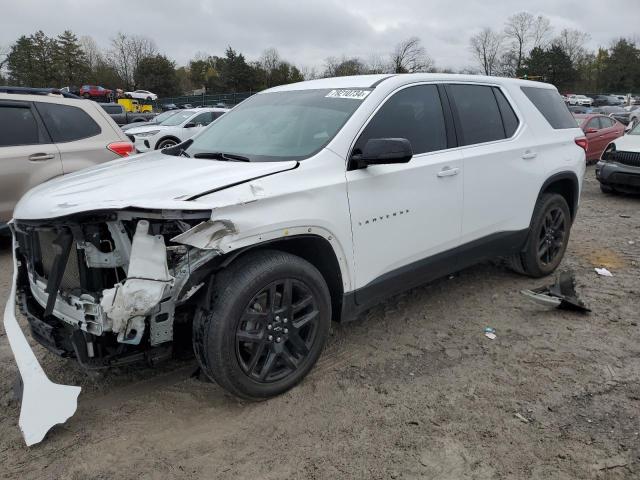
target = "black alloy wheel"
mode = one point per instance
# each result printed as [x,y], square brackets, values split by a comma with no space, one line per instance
[275,334]
[551,238]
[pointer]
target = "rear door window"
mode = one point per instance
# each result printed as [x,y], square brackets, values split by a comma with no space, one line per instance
[551,106]
[19,126]
[477,112]
[66,123]
[594,123]
[414,113]
[606,122]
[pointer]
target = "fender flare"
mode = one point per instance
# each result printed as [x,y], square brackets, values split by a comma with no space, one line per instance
[564,175]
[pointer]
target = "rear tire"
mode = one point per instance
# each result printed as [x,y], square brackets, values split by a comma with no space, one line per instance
[547,239]
[264,324]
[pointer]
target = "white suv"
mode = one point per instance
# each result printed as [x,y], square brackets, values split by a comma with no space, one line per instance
[306,203]
[175,129]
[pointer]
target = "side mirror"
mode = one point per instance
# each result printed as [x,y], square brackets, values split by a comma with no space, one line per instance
[383,151]
[190,125]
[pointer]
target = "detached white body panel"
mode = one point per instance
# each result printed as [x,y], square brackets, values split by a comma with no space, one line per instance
[44,403]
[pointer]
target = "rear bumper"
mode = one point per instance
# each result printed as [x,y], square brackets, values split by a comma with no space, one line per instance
[620,176]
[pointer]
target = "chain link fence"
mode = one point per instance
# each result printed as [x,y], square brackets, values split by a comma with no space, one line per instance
[207,100]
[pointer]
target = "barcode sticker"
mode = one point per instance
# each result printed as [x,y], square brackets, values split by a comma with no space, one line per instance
[352,94]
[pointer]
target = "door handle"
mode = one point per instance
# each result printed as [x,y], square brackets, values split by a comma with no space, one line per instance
[448,172]
[40,157]
[528,155]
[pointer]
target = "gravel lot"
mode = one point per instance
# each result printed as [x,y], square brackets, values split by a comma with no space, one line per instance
[413,389]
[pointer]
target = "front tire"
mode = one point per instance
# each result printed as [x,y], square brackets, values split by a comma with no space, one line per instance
[547,239]
[166,144]
[264,325]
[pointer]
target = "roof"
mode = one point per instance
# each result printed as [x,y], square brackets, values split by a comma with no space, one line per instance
[371,81]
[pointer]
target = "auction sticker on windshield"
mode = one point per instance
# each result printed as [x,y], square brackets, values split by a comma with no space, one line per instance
[353,94]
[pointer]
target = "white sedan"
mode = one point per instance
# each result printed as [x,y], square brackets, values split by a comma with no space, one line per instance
[141,95]
[174,130]
[582,100]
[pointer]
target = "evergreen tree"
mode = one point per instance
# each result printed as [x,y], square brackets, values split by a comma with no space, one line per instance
[70,60]
[157,74]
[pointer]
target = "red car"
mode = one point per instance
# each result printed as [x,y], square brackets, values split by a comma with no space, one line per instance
[95,91]
[600,130]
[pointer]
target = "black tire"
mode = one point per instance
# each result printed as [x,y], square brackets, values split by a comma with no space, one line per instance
[607,189]
[547,239]
[241,338]
[166,143]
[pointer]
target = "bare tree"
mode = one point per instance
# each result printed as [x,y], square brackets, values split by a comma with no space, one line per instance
[525,32]
[377,64]
[92,52]
[126,54]
[409,56]
[269,61]
[519,29]
[573,43]
[542,31]
[486,47]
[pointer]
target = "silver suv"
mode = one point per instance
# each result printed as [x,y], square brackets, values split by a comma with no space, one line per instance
[44,133]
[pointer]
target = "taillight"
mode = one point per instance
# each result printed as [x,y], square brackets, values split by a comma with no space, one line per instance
[582,142]
[124,149]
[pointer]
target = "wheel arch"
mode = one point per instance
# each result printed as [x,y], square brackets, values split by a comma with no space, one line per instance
[565,184]
[313,248]
[167,137]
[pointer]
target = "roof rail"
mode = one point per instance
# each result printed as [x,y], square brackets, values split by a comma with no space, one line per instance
[37,91]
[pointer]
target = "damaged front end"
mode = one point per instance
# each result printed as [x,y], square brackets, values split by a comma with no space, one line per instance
[104,288]
[107,289]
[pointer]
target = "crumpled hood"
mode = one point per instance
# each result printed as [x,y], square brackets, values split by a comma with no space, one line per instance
[153,180]
[628,143]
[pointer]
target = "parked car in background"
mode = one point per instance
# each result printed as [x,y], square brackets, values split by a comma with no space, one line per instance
[169,106]
[96,92]
[153,121]
[45,135]
[619,113]
[175,129]
[600,130]
[634,116]
[580,100]
[619,168]
[141,95]
[122,117]
[600,100]
[578,109]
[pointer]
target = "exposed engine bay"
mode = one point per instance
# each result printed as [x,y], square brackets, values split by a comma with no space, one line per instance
[110,288]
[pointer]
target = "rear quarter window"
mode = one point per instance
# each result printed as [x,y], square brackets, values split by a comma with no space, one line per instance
[550,104]
[66,123]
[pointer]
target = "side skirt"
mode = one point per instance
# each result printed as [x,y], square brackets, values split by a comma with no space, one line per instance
[429,269]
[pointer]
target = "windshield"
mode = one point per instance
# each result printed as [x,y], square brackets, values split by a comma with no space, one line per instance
[280,125]
[164,115]
[635,130]
[177,119]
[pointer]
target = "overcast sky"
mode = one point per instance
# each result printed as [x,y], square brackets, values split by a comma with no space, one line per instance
[305,32]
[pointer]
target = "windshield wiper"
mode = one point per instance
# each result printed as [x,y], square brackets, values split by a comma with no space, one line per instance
[222,156]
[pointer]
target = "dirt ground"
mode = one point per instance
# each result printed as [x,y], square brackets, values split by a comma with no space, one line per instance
[413,389]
